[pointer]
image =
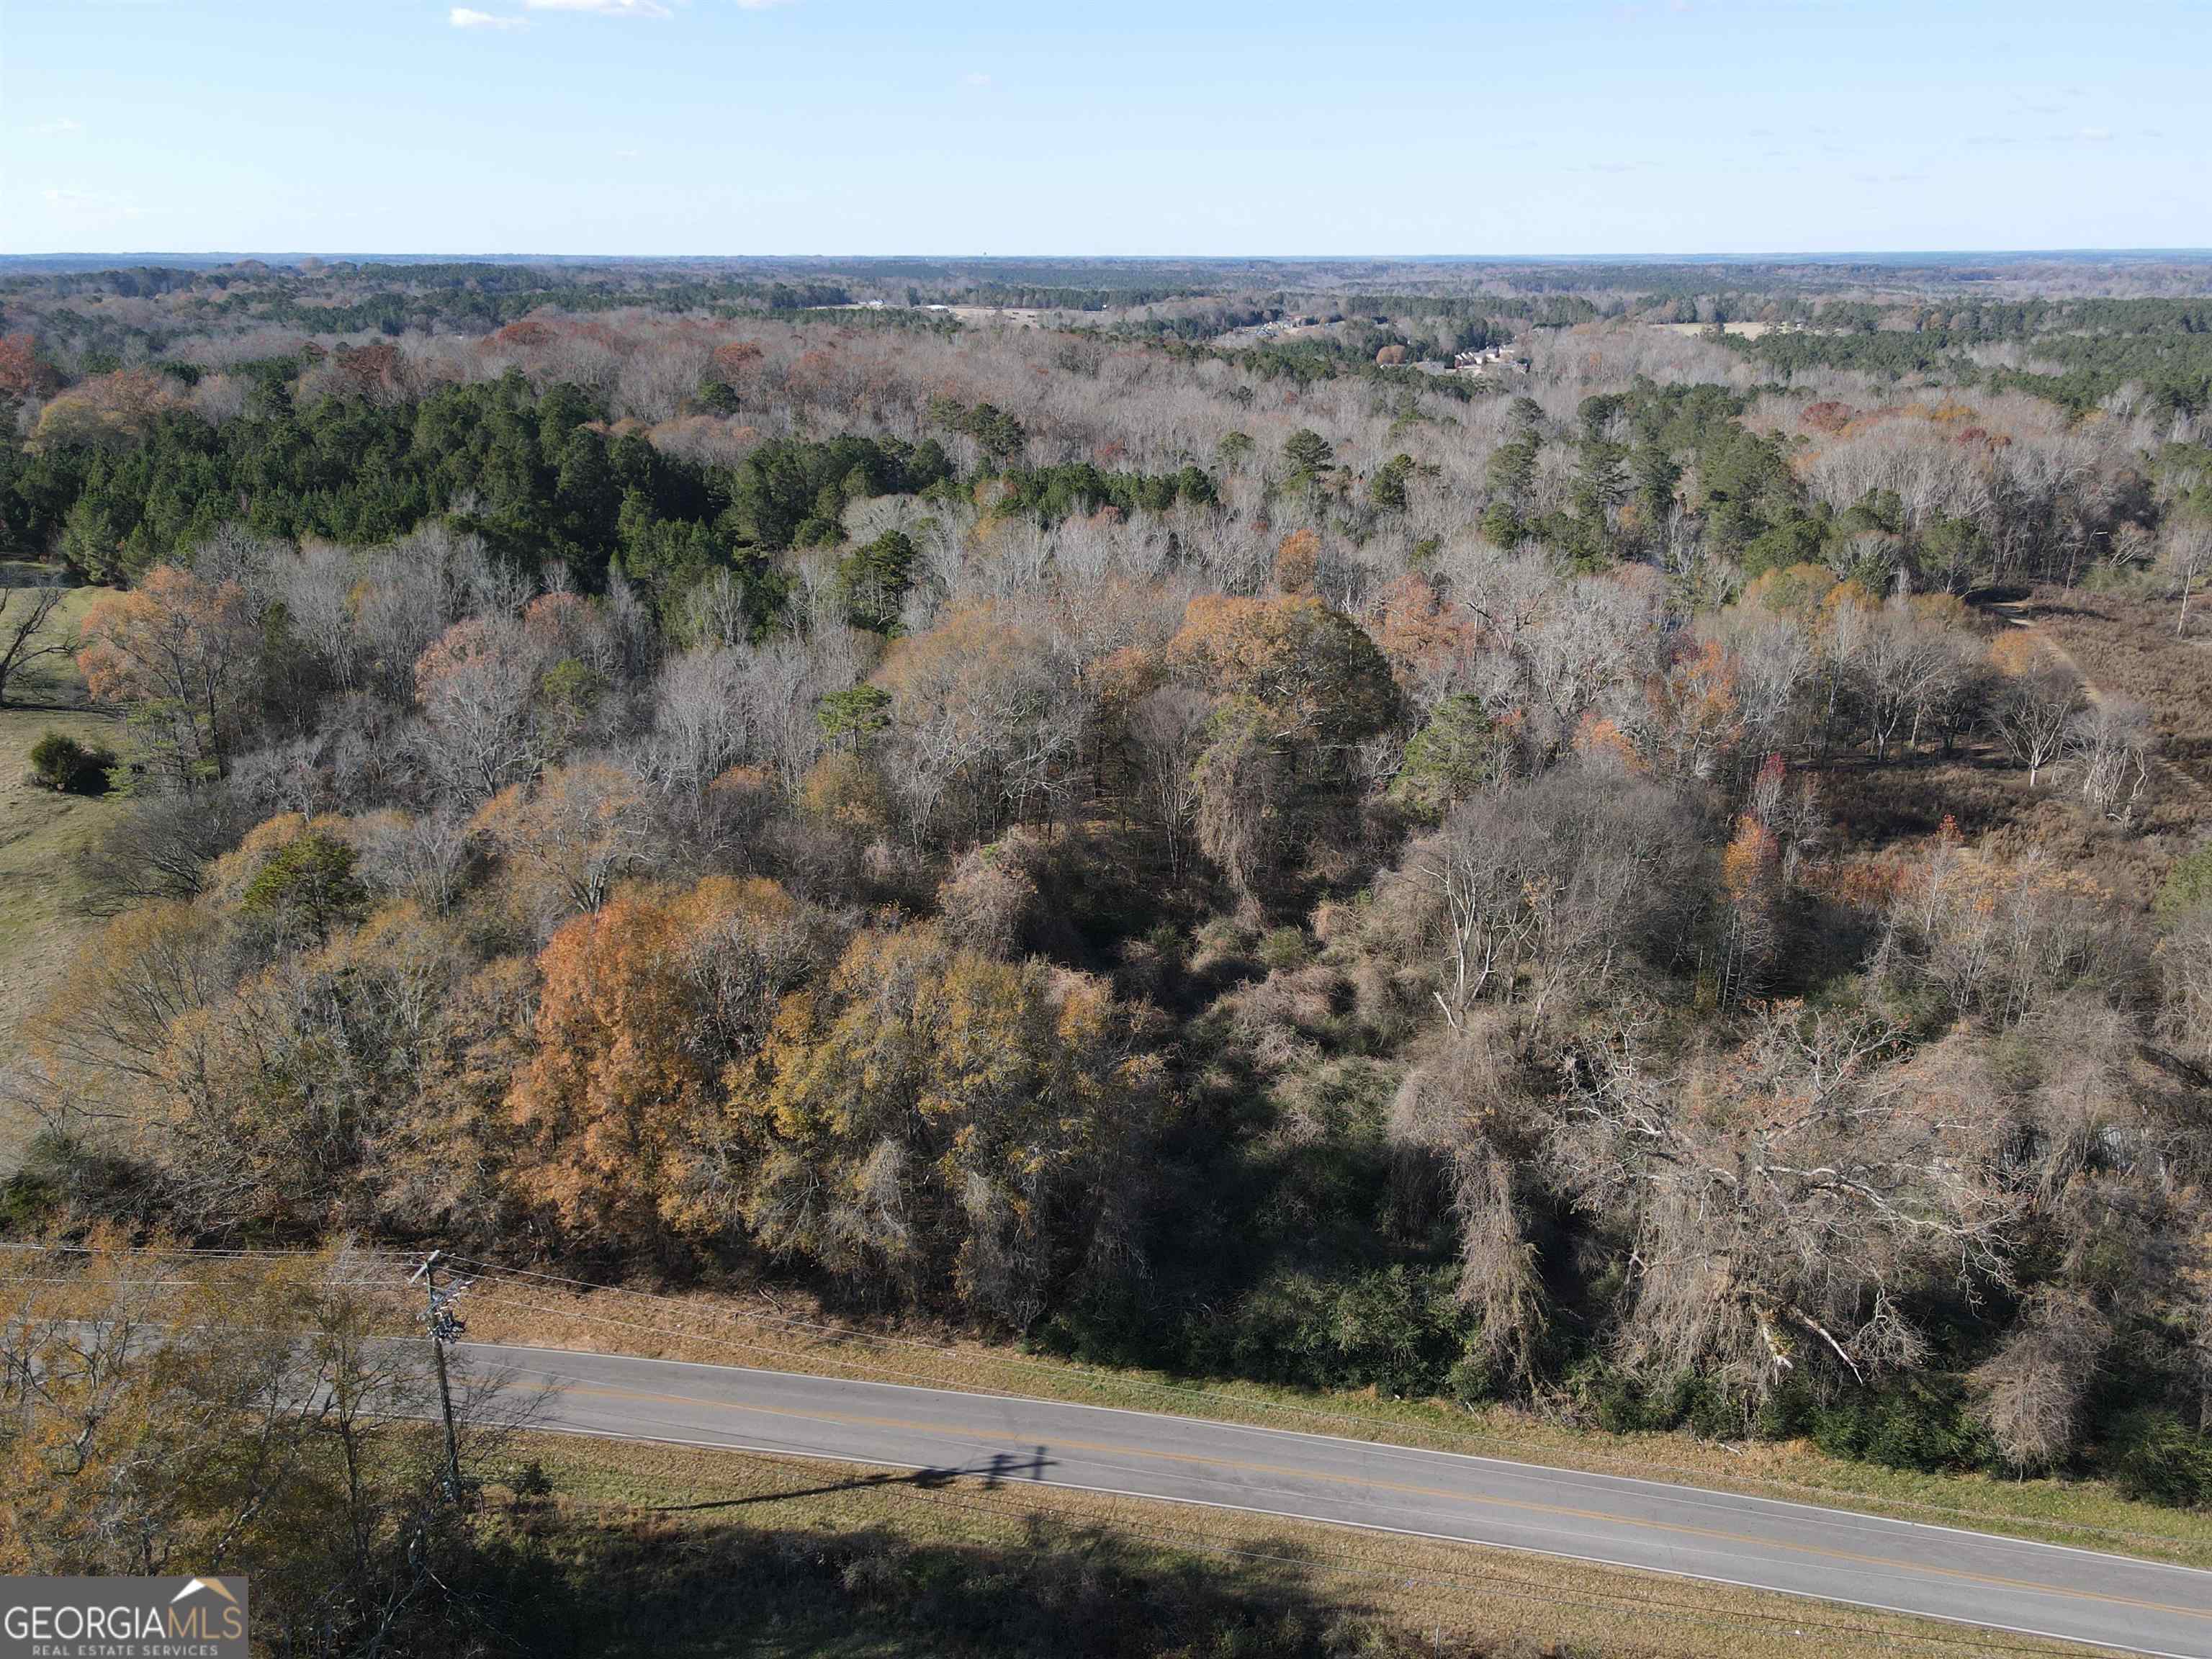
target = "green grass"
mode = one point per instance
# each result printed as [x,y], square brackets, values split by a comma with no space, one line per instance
[42,915]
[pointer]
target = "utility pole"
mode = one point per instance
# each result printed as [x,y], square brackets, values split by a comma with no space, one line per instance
[446,1328]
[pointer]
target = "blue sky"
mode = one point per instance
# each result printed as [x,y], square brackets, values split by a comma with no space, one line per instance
[859,126]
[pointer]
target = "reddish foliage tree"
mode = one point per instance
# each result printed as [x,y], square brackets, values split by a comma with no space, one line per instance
[23,374]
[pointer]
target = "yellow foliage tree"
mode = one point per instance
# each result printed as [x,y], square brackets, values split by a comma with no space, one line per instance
[177,654]
[967,1126]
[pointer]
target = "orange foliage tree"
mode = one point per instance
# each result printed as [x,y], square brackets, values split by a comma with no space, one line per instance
[649,1004]
[23,374]
[570,837]
[1297,561]
[111,411]
[1694,719]
[984,723]
[1751,882]
[1428,643]
[1313,671]
[177,653]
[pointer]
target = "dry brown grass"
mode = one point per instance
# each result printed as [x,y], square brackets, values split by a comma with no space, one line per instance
[2126,647]
[787,1335]
[1461,1598]
[1486,1597]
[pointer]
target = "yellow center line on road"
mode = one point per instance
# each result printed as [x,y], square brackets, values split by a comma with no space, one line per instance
[1564,1511]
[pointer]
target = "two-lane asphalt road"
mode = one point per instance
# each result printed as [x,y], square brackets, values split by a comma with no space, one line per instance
[1864,1561]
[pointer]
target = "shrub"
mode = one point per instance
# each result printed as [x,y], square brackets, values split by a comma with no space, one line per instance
[1283,949]
[1612,1398]
[1922,1422]
[2151,1454]
[1395,1329]
[62,764]
[28,1200]
[59,1175]
[1473,1380]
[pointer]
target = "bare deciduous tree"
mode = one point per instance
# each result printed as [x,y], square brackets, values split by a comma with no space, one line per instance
[1166,733]
[1467,1104]
[2032,711]
[1787,1196]
[25,634]
[2109,743]
[1532,889]
[2186,559]
[2030,1395]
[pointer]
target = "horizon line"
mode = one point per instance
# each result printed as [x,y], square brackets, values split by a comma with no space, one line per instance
[1703,256]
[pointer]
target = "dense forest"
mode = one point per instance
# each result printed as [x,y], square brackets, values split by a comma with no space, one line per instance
[1658,875]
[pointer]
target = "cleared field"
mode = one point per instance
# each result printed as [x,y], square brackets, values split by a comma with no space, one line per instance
[1742,331]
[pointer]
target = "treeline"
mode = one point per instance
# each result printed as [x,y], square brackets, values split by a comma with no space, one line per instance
[1556,898]
[2166,350]
[392,301]
[117,484]
[539,476]
[1227,986]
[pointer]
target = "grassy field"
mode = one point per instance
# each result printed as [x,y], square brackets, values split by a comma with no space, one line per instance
[675,1551]
[729,1331]
[42,917]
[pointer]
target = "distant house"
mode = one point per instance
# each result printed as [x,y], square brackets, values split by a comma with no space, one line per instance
[1490,360]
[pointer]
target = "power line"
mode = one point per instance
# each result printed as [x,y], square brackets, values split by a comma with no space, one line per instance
[1363,1429]
[1369,1431]
[230,1250]
[1513,1588]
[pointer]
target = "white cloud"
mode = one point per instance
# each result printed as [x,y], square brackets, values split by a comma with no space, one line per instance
[603,8]
[759,5]
[976,78]
[467,17]
[58,129]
